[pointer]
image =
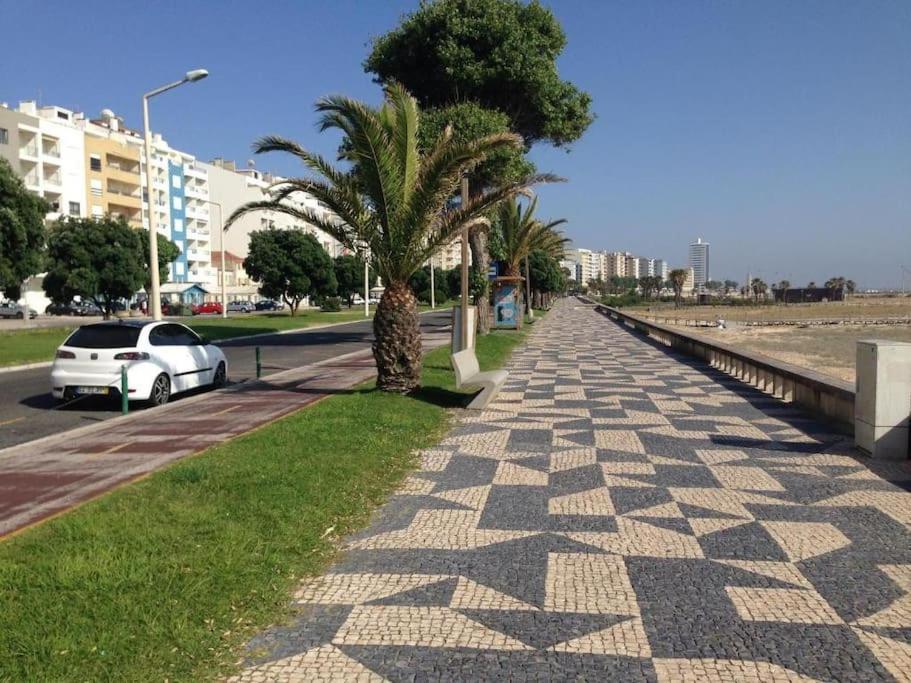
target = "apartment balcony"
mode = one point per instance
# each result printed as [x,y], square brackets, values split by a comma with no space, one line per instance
[29,151]
[53,180]
[122,198]
[195,212]
[32,181]
[197,233]
[192,171]
[123,175]
[52,151]
[196,192]
[198,256]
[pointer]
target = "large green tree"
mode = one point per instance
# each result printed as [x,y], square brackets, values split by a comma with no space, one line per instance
[349,274]
[22,232]
[167,253]
[290,265]
[95,259]
[501,54]
[473,61]
[393,199]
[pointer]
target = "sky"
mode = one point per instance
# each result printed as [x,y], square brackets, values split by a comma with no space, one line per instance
[778,131]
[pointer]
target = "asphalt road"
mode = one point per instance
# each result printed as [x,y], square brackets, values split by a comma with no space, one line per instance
[28,411]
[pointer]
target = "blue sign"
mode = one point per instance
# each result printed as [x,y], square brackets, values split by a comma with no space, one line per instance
[494,270]
[504,307]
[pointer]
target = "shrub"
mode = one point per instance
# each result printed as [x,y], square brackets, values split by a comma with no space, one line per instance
[331,304]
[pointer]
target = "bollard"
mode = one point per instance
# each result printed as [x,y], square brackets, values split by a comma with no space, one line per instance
[124,391]
[259,365]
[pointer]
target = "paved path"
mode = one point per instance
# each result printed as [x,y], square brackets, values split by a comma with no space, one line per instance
[28,410]
[43,478]
[620,513]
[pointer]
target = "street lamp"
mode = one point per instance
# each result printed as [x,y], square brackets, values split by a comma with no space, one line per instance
[155,288]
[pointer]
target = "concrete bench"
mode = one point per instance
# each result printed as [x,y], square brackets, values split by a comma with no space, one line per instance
[467,373]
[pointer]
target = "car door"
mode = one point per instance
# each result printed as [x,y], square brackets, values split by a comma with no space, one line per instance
[172,347]
[201,359]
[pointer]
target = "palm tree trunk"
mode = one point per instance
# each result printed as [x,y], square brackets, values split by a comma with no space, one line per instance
[480,263]
[397,344]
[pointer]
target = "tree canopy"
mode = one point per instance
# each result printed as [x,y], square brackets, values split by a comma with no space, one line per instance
[349,274]
[96,259]
[289,265]
[22,232]
[499,53]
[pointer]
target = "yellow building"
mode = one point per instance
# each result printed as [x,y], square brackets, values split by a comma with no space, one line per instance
[113,183]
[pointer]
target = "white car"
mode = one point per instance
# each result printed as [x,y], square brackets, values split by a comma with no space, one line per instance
[162,358]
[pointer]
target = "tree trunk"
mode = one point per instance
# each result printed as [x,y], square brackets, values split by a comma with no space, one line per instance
[480,263]
[397,345]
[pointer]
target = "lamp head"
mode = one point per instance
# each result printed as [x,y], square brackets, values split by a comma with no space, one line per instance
[196,75]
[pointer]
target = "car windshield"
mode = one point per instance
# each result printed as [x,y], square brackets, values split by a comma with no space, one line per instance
[104,337]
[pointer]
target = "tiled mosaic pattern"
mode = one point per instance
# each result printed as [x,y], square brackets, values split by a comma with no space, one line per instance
[619,513]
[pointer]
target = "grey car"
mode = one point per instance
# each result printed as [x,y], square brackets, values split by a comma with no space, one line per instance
[241,307]
[11,309]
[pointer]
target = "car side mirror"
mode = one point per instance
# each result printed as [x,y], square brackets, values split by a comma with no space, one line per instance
[202,341]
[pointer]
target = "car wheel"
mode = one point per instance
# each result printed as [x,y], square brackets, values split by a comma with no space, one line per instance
[221,376]
[161,390]
[20,315]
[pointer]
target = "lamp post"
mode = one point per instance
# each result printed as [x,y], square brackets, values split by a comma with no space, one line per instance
[155,288]
[223,290]
[433,299]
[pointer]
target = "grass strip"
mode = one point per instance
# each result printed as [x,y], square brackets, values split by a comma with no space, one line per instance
[35,345]
[166,579]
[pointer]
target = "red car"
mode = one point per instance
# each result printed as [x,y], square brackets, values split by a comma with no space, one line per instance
[210,307]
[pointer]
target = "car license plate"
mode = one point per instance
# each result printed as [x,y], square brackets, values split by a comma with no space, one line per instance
[92,390]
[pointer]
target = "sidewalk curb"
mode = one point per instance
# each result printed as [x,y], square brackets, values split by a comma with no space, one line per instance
[26,366]
[217,342]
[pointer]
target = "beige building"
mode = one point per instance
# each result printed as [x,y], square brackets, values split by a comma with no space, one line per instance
[113,184]
[450,256]
[615,264]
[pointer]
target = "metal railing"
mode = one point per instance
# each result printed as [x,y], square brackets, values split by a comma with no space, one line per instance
[824,396]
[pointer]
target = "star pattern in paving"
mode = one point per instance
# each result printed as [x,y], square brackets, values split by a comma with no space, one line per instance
[620,512]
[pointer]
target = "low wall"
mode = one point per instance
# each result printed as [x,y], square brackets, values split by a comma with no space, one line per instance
[825,397]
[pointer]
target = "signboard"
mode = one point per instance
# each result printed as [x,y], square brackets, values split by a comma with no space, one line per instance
[493,270]
[504,306]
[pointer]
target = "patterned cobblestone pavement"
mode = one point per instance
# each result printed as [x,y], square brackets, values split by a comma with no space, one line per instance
[619,513]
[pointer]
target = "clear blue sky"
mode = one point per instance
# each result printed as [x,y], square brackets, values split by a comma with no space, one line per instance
[779,131]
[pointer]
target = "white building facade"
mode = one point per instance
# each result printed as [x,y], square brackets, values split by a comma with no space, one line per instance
[699,262]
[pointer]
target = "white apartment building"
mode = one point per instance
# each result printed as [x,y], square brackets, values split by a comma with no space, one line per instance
[699,262]
[588,264]
[45,147]
[450,256]
[632,266]
[646,267]
[232,187]
[661,268]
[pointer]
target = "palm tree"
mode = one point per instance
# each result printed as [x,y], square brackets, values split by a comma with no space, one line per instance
[759,288]
[522,234]
[391,200]
[677,279]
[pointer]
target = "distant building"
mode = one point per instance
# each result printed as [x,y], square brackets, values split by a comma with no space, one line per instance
[615,264]
[802,295]
[661,268]
[699,262]
[632,266]
[646,267]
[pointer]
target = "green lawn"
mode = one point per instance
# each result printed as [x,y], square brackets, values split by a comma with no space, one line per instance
[166,579]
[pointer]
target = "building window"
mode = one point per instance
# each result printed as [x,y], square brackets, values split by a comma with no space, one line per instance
[176,203]
[179,268]
[175,181]
[97,212]
[178,225]
[4,136]
[95,162]
[96,188]
[75,209]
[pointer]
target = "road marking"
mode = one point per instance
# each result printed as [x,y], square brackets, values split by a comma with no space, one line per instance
[222,412]
[9,422]
[110,450]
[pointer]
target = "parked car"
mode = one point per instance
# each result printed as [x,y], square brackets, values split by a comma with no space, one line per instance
[59,309]
[241,307]
[208,308]
[86,308]
[161,358]
[11,309]
[269,305]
